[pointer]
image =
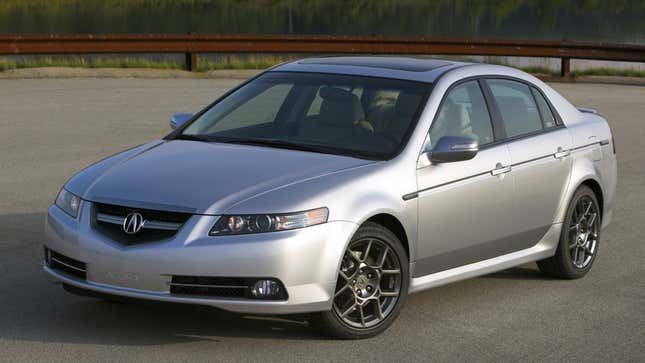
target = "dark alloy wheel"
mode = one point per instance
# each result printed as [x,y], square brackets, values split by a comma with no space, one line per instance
[369,283]
[371,287]
[579,238]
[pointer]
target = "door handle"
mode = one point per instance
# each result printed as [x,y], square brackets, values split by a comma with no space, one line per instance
[500,169]
[561,153]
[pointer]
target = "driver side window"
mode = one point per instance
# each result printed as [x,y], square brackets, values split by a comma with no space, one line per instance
[463,113]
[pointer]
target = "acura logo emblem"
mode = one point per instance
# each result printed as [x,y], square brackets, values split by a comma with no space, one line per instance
[133,223]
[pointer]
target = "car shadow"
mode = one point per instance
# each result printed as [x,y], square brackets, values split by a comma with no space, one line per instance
[37,309]
[525,272]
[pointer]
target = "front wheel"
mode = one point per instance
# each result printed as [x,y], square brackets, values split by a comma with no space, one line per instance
[579,238]
[371,288]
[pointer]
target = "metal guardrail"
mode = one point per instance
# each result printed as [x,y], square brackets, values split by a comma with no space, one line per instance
[192,44]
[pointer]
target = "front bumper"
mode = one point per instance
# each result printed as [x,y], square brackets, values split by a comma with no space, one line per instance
[306,261]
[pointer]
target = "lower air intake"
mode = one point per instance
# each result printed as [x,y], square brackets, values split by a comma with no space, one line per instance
[66,265]
[222,287]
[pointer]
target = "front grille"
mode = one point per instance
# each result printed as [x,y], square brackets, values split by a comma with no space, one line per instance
[220,287]
[67,265]
[159,225]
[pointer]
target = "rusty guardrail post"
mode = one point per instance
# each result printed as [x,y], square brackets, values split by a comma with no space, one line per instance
[565,67]
[191,57]
[191,62]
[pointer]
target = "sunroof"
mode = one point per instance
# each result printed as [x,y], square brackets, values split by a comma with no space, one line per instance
[395,63]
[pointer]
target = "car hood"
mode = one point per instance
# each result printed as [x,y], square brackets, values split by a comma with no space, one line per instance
[200,177]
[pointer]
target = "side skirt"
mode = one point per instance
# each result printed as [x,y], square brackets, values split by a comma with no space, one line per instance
[543,249]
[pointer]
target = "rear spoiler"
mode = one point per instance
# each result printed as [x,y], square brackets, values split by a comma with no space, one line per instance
[587,110]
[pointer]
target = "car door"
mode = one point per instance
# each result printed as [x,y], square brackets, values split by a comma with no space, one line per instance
[465,206]
[539,148]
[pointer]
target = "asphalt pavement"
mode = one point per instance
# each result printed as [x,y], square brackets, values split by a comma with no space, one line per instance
[51,128]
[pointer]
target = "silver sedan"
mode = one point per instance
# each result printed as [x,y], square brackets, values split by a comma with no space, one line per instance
[337,186]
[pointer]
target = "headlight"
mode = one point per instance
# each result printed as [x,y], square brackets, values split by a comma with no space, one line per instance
[68,202]
[260,223]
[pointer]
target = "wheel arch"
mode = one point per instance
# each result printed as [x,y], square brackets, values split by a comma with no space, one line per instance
[395,226]
[589,180]
[597,190]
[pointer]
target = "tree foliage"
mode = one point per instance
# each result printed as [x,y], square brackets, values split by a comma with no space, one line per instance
[615,20]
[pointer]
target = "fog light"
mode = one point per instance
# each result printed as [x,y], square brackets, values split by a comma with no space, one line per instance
[266,289]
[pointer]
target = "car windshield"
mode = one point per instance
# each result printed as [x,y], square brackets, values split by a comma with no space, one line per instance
[364,117]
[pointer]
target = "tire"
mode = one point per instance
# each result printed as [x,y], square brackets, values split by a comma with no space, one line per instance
[567,262]
[368,275]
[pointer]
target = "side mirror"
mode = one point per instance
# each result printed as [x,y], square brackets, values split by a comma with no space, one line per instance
[453,148]
[179,119]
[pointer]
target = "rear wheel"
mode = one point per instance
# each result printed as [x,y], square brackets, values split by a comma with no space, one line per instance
[371,288]
[578,240]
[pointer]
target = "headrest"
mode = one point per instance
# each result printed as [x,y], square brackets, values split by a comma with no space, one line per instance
[339,107]
[335,94]
[407,103]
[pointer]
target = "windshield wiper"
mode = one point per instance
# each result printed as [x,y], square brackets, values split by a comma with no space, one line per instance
[276,143]
[281,144]
[192,138]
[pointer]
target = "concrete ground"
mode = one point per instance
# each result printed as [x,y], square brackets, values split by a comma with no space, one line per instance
[50,128]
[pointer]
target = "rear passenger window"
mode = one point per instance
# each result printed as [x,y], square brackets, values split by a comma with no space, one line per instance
[517,107]
[545,110]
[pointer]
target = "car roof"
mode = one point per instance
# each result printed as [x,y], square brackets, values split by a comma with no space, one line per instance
[408,68]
